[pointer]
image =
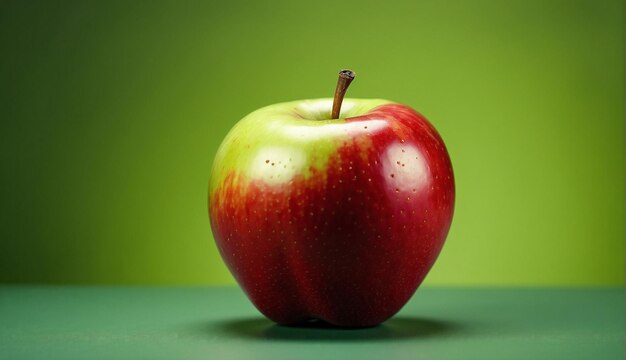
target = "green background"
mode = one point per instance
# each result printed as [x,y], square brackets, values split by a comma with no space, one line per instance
[111,112]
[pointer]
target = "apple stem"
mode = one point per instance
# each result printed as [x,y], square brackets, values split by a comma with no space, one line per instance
[345,78]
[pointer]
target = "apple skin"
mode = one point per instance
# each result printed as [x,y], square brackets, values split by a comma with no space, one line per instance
[337,220]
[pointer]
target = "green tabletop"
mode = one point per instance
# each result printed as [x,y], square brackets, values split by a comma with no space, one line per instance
[46,322]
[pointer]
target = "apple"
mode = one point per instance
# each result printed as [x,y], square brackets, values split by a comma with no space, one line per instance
[331,219]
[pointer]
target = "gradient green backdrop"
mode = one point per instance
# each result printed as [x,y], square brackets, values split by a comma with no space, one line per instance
[111,112]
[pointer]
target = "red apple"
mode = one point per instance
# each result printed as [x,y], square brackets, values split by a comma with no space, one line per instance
[338,220]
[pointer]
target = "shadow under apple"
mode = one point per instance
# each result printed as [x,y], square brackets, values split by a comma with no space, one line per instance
[396,328]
